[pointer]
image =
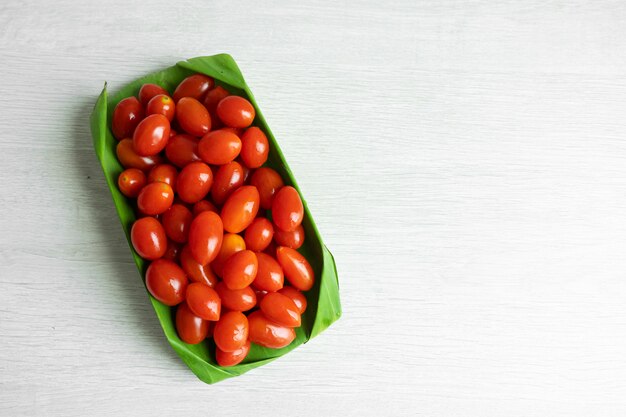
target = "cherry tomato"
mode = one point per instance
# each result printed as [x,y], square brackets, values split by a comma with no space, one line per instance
[240,209]
[176,222]
[280,309]
[232,358]
[267,333]
[126,116]
[231,244]
[190,328]
[231,331]
[269,275]
[162,104]
[130,159]
[293,239]
[228,178]
[235,111]
[296,296]
[148,238]
[236,300]
[173,251]
[219,147]
[246,171]
[204,301]
[131,181]
[240,270]
[166,281]
[195,271]
[254,147]
[155,198]
[287,209]
[259,234]
[192,116]
[151,135]
[194,86]
[164,173]
[182,150]
[194,182]
[268,182]
[203,205]
[148,91]
[297,269]
[205,237]
[212,99]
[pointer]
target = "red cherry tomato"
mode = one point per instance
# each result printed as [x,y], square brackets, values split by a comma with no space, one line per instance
[246,171]
[231,244]
[240,270]
[204,301]
[151,135]
[131,181]
[203,205]
[205,237]
[148,238]
[155,198]
[176,222]
[182,150]
[162,104]
[166,281]
[231,331]
[129,158]
[267,333]
[232,358]
[269,275]
[194,86]
[268,182]
[240,209]
[192,116]
[254,147]
[297,269]
[235,111]
[228,178]
[195,271]
[280,309]
[126,116]
[148,91]
[212,99]
[296,296]
[219,147]
[173,251]
[236,300]
[190,328]
[164,173]
[194,182]
[259,234]
[293,239]
[287,209]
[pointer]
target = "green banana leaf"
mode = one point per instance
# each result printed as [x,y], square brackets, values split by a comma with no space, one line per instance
[323,299]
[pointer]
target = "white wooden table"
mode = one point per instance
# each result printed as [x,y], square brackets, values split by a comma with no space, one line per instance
[464,161]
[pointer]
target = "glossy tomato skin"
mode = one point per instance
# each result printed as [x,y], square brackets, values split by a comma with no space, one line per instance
[259,234]
[296,296]
[162,104]
[204,301]
[236,300]
[267,333]
[131,181]
[240,270]
[280,309]
[196,272]
[166,281]
[231,331]
[149,91]
[269,276]
[212,99]
[194,182]
[126,116]
[293,239]
[234,130]
[172,252]
[148,238]
[203,205]
[205,237]
[232,358]
[176,222]
[190,328]
[228,178]
[182,149]
[246,171]
[235,111]
[164,173]
[254,147]
[240,209]
[268,182]
[297,269]
[219,147]
[192,116]
[155,198]
[194,86]
[287,209]
[151,135]
[130,159]
[231,244]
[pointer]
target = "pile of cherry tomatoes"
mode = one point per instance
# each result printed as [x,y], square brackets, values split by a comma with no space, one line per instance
[221,230]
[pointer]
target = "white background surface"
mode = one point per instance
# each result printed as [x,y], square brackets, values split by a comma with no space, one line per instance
[464,161]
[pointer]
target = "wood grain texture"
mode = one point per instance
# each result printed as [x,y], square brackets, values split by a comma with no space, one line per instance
[464,161]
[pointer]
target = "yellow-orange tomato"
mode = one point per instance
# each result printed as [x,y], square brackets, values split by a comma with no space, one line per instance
[240,209]
[269,275]
[266,333]
[280,309]
[254,147]
[219,147]
[297,269]
[232,358]
[268,182]
[259,234]
[231,244]
[240,270]
[231,331]
[205,237]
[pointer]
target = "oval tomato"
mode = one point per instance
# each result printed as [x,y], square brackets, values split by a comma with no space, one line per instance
[194,86]
[267,333]
[176,222]
[164,173]
[148,91]
[296,296]
[254,147]
[237,300]
[151,135]
[162,104]
[203,205]
[194,182]
[155,198]
[205,237]
[268,182]
[204,301]
[182,150]
[219,147]
[240,270]
[196,272]
[232,358]
[240,209]
[231,244]
[126,116]
[166,281]
[269,275]
[148,238]
[212,99]
[231,331]
[235,111]
[287,209]
[131,181]
[228,178]
[293,239]
[297,269]
[190,328]
[280,309]
[192,116]
[130,159]
[259,234]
